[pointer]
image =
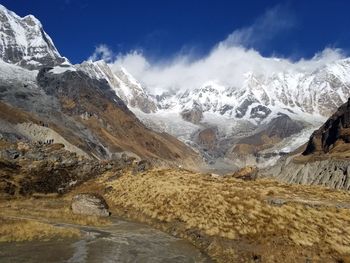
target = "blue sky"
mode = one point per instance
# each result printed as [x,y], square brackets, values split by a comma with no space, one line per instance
[164,29]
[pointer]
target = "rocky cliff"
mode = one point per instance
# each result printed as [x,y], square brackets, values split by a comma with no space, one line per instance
[326,158]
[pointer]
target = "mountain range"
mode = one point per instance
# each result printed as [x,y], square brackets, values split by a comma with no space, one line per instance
[101,110]
[253,124]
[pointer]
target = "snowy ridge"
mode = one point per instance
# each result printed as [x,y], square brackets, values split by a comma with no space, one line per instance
[124,85]
[237,112]
[318,93]
[24,42]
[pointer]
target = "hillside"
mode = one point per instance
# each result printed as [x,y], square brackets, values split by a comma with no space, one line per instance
[45,98]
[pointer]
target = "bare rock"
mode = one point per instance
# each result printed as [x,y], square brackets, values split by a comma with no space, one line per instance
[194,115]
[90,204]
[335,132]
[247,173]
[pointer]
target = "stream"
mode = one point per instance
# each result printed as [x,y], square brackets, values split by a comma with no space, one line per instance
[122,241]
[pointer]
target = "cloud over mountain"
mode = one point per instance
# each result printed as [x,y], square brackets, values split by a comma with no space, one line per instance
[226,63]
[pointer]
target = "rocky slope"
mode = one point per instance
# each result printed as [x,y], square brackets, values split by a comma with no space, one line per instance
[45,98]
[325,159]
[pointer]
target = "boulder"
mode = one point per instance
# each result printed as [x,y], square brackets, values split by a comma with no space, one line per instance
[247,173]
[141,166]
[90,204]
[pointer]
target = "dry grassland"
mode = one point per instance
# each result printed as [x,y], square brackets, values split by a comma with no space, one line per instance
[12,230]
[237,221]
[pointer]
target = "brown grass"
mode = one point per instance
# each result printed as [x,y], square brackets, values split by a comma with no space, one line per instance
[51,209]
[239,213]
[27,230]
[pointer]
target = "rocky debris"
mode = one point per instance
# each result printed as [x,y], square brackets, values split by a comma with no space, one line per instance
[280,127]
[90,204]
[9,154]
[330,172]
[29,168]
[142,166]
[334,132]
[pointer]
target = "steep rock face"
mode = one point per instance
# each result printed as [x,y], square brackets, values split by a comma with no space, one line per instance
[23,41]
[333,134]
[94,104]
[325,160]
[330,172]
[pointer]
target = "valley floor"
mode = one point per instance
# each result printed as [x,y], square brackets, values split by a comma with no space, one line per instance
[229,219]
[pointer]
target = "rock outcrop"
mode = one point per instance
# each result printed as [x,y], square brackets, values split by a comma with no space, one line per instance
[325,160]
[194,115]
[333,173]
[333,134]
[90,204]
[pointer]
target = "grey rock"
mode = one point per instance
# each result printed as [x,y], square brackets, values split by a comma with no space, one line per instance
[194,115]
[332,173]
[10,154]
[242,109]
[90,204]
[142,166]
[259,112]
[276,201]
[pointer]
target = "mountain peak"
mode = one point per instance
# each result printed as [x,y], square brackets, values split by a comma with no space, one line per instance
[24,42]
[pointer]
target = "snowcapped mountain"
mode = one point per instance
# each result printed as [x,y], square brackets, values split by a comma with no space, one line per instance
[267,115]
[264,117]
[45,98]
[255,123]
[24,42]
[125,86]
[317,93]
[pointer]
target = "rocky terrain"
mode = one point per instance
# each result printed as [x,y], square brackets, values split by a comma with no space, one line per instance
[79,143]
[325,158]
[32,168]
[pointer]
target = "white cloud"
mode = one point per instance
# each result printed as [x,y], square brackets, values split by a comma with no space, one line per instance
[227,62]
[102,52]
[226,65]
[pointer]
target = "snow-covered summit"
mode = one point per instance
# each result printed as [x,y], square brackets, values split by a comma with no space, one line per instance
[24,42]
[125,86]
